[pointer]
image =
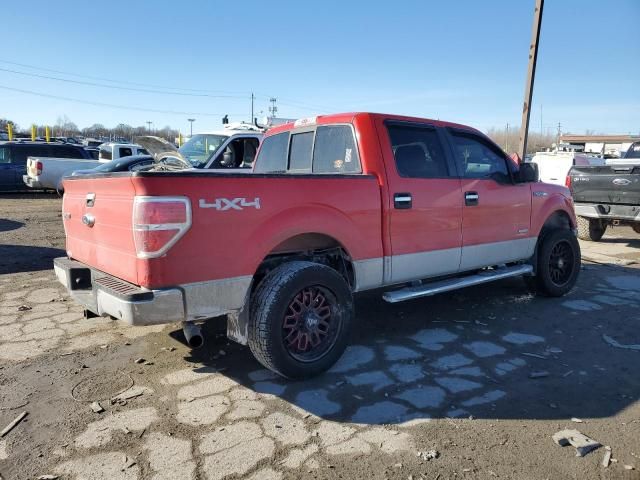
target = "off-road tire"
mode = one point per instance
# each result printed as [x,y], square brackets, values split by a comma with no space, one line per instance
[591,229]
[543,282]
[269,304]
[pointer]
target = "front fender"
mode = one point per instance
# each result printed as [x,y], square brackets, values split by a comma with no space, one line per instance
[544,205]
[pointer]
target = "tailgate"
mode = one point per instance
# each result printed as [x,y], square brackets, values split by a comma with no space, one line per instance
[97,214]
[610,184]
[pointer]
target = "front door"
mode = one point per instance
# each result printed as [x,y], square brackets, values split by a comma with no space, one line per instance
[425,211]
[496,217]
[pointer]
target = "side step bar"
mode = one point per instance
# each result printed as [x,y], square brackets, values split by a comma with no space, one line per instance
[434,288]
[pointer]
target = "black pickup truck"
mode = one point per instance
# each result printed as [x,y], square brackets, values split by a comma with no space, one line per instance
[607,195]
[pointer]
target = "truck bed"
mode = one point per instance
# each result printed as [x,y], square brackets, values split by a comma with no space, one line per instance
[250,214]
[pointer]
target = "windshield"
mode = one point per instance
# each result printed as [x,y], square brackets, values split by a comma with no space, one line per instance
[199,149]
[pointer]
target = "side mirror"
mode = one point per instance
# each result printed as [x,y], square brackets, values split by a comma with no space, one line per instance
[528,173]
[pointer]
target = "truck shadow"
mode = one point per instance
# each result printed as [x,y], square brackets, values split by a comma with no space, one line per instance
[8,225]
[629,242]
[21,258]
[492,351]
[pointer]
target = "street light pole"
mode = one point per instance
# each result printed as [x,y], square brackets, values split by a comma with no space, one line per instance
[191,120]
[148,122]
[531,73]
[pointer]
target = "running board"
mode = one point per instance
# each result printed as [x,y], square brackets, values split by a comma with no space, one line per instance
[434,288]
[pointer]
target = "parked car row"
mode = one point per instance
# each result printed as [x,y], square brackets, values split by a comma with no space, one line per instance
[42,165]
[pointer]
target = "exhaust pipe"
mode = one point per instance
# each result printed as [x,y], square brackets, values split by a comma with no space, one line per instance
[193,334]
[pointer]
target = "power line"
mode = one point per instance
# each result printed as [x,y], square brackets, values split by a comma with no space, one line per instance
[116,87]
[150,87]
[110,105]
[125,82]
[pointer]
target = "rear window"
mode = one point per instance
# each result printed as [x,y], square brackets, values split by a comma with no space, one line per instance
[67,152]
[106,153]
[21,152]
[272,157]
[300,152]
[634,151]
[335,150]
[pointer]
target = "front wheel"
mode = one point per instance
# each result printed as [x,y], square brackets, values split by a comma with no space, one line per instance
[558,264]
[636,227]
[301,316]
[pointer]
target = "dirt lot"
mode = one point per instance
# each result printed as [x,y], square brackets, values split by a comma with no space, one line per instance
[449,373]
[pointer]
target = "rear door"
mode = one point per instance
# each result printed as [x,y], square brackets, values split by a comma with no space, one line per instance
[426,212]
[496,217]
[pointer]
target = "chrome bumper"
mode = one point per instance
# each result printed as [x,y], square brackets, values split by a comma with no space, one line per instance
[614,212]
[108,296]
[105,295]
[31,182]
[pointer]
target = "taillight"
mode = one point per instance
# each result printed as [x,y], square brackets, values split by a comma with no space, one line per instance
[567,182]
[38,168]
[158,223]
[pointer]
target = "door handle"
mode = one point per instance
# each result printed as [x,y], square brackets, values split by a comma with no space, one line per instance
[471,198]
[402,201]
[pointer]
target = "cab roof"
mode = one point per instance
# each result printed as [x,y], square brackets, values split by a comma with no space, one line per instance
[349,117]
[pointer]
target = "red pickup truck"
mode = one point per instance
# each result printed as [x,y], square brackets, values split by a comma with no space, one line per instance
[335,205]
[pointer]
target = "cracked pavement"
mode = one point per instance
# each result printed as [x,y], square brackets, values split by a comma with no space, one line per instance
[451,373]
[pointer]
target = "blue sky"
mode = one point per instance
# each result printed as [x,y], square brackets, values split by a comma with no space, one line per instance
[462,61]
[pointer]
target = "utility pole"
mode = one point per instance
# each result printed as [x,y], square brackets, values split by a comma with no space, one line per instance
[531,74]
[559,133]
[191,120]
[273,109]
[506,140]
[148,122]
[252,98]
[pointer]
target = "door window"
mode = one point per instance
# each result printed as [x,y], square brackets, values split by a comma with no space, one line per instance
[417,151]
[272,157]
[477,158]
[300,152]
[5,155]
[125,152]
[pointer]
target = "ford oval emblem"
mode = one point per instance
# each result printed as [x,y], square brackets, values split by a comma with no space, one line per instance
[621,181]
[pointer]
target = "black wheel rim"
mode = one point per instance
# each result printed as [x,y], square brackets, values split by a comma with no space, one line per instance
[311,324]
[561,263]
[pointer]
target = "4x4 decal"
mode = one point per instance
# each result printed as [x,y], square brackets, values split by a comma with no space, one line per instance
[223,204]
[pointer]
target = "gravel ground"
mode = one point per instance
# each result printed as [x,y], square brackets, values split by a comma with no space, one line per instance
[451,374]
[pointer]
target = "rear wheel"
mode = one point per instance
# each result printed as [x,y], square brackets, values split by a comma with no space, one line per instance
[636,227]
[591,229]
[558,264]
[301,316]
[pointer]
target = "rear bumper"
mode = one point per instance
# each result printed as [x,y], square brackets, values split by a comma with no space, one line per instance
[105,295]
[629,213]
[31,182]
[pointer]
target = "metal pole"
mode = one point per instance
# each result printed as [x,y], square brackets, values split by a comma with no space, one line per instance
[252,97]
[531,73]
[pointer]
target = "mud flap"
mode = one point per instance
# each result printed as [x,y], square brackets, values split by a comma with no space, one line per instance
[238,322]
